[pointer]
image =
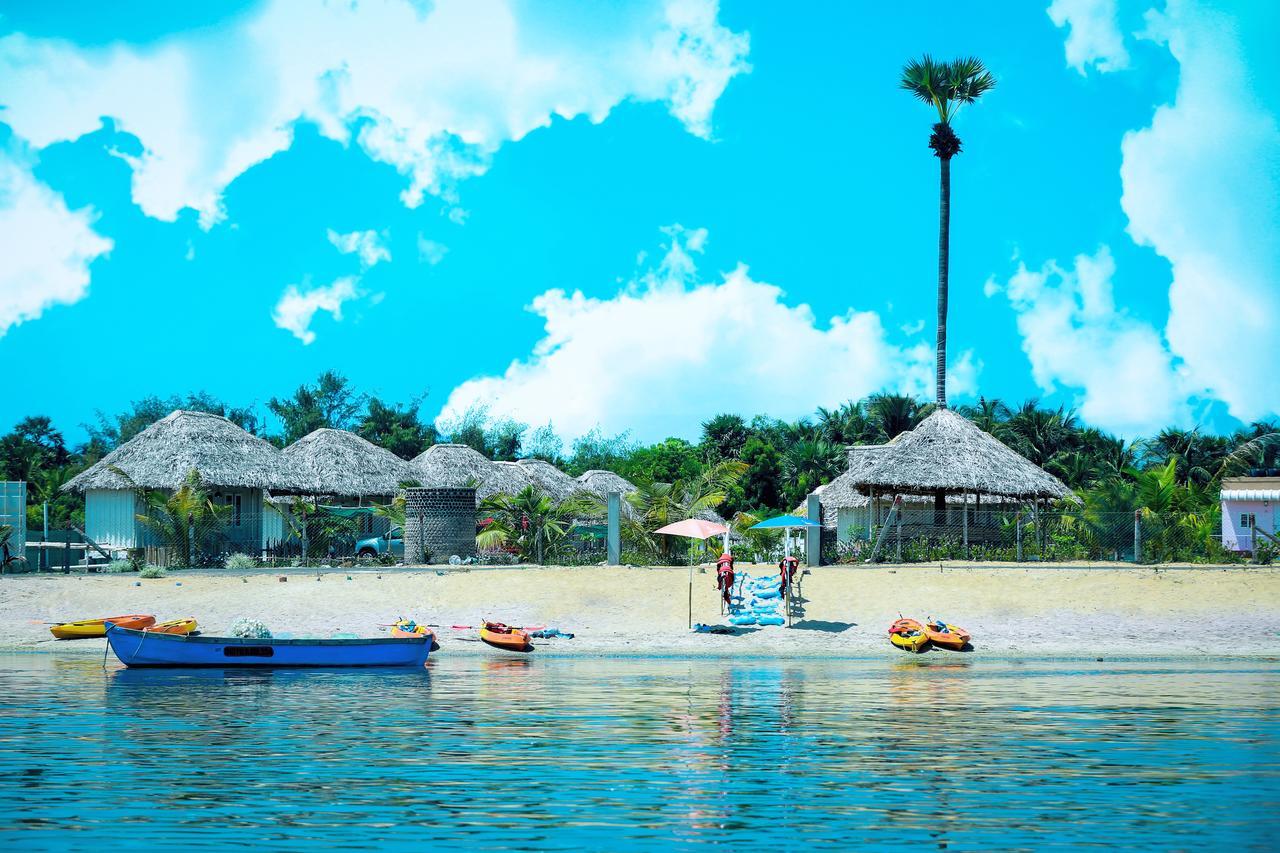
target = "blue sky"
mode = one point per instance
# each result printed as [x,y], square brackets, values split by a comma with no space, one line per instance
[637,215]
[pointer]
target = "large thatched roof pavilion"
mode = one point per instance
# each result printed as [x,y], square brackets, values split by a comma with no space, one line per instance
[237,468]
[343,464]
[948,454]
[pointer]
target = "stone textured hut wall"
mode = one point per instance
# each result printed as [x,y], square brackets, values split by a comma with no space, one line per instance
[439,523]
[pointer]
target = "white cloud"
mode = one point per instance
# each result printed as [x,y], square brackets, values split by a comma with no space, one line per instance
[297,307]
[1202,188]
[1121,370]
[911,329]
[433,92]
[368,245]
[1093,34]
[431,252]
[45,249]
[670,347]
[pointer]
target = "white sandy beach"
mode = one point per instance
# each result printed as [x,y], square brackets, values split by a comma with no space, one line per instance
[1042,611]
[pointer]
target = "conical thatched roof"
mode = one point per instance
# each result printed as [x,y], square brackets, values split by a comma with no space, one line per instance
[507,478]
[451,465]
[343,463]
[948,453]
[161,456]
[603,482]
[551,480]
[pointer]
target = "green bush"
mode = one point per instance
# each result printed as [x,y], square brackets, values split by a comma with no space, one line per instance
[152,572]
[117,567]
[241,561]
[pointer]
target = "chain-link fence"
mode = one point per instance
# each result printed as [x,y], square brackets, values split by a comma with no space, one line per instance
[276,539]
[1040,537]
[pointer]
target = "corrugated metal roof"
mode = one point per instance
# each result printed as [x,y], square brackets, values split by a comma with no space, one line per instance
[1251,495]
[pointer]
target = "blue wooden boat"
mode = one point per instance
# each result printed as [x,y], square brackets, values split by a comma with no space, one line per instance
[143,648]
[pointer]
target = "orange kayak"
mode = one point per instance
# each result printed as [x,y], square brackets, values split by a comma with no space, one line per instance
[505,637]
[408,628]
[98,627]
[174,626]
[948,636]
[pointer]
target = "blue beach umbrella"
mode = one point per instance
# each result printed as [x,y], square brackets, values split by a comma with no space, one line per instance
[787,523]
[784,521]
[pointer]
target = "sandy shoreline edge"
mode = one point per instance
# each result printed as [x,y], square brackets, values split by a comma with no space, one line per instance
[1062,612]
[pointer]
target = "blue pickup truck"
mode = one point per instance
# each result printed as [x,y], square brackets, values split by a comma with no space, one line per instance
[391,543]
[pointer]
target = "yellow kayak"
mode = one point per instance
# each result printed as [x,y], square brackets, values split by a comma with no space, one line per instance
[174,626]
[909,635]
[98,627]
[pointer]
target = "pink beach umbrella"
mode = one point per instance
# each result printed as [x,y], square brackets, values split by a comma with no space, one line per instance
[693,528]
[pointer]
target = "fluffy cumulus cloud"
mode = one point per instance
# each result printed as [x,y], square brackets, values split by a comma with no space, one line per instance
[1202,188]
[45,249]
[367,245]
[1093,34]
[1075,337]
[297,306]
[670,347]
[432,89]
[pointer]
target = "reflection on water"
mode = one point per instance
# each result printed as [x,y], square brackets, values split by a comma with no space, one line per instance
[564,754]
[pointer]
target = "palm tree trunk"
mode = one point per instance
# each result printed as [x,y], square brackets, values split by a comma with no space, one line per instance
[944,263]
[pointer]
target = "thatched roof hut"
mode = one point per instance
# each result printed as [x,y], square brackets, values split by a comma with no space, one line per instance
[551,480]
[601,483]
[947,453]
[451,465]
[507,478]
[163,454]
[344,464]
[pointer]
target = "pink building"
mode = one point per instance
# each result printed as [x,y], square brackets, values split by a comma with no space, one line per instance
[1248,510]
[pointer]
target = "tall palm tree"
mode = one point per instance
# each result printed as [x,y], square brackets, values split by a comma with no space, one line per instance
[946,86]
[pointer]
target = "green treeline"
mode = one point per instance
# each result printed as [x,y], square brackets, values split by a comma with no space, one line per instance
[780,461]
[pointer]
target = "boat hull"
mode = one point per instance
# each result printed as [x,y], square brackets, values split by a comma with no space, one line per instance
[145,649]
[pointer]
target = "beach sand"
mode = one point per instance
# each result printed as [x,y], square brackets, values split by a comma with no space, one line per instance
[1011,612]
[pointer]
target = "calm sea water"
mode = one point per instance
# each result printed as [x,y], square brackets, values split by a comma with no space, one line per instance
[560,754]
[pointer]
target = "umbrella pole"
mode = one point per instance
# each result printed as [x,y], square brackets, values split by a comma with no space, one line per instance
[691,584]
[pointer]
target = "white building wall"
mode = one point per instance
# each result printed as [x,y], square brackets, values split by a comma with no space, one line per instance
[851,523]
[111,517]
[1237,537]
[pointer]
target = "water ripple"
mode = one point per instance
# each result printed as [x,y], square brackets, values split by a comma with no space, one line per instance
[563,754]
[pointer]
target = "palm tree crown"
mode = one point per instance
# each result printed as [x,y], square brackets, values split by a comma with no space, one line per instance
[946,86]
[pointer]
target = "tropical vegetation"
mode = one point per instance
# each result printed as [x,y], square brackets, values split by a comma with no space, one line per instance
[772,463]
